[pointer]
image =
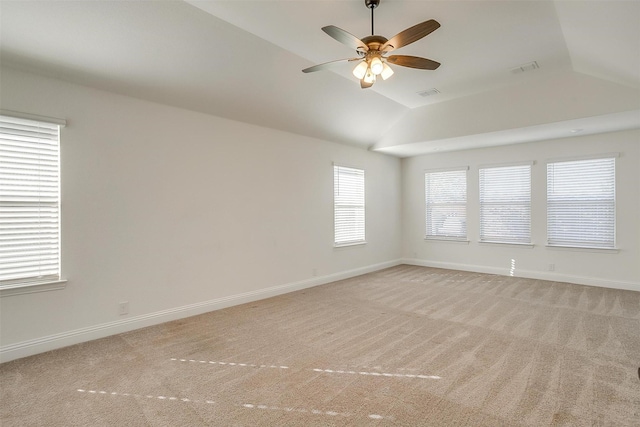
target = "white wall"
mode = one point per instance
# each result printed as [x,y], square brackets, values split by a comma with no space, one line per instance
[179,212]
[621,269]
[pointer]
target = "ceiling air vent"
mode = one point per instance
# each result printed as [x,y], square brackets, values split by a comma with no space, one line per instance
[429,92]
[525,67]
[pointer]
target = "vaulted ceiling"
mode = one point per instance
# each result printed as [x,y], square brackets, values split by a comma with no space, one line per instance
[243,59]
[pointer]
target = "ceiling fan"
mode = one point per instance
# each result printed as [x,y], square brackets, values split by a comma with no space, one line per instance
[372,49]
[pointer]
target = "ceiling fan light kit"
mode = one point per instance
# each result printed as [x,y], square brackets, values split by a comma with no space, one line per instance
[360,70]
[372,49]
[376,65]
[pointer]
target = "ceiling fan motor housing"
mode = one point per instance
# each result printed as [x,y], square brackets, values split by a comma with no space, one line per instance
[374,43]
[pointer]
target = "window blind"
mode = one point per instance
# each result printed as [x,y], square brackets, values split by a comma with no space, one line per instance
[446,204]
[505,204]
[348,205]
[29,201]
[581,208]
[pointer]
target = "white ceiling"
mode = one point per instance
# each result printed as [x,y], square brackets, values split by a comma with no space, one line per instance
[471,44]
[243,59]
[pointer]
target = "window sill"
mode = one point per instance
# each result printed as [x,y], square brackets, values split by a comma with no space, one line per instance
[444,239]
[31,288]
[346,245]
[584,249]
[520,245]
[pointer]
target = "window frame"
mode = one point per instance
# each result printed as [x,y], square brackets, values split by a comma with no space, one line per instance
[14,122]
[429,206]
[556,242]
[526,239]
[354,206]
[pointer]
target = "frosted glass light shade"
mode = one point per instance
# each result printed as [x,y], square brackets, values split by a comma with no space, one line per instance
[376,66]
[369,77]
[360,70]
[386,72]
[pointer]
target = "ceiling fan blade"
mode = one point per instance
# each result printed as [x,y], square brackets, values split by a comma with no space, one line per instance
[345,38]
[365,85]
[413,62]
[410,35]
[326,65]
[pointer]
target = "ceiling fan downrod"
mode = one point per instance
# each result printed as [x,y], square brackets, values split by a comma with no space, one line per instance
[372,4]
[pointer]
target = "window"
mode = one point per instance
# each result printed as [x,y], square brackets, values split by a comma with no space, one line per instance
[29,202]
[505,204]
[581,207]
[348,192]
[446,204]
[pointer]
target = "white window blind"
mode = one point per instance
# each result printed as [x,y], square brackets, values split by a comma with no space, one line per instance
[581,209]
[446,204]
[505,204]
[348,190]
[29,201]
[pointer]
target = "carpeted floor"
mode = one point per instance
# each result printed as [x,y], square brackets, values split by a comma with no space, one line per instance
[408,346]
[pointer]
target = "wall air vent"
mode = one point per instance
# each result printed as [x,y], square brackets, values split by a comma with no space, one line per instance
[429,92]
[525,67]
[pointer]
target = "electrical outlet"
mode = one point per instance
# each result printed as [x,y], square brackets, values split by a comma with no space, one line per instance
[314,272]
[123,308]
[552,267]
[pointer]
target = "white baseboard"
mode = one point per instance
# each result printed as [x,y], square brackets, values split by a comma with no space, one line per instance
[64,339]
[528,274]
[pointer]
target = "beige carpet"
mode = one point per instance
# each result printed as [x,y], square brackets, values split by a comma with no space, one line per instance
[407,346]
